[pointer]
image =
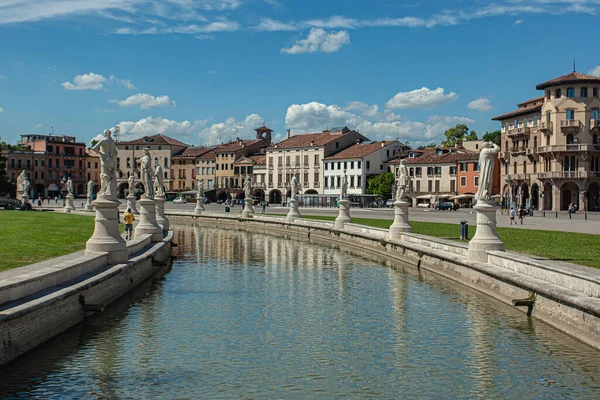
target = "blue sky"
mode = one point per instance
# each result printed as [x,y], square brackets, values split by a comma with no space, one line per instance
[205,71]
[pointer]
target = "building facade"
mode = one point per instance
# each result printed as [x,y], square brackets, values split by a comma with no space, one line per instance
[183,168]
[206,169]
[551,148]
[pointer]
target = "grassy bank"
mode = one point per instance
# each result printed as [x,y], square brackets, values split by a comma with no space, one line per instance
[578,248]
[30,237]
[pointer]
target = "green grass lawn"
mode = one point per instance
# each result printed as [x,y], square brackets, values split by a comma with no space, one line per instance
[30,237]
[578,248]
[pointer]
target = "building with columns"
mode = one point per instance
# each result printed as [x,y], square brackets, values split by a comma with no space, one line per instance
[550,146]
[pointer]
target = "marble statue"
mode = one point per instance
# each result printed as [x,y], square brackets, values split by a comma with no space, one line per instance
[90,189]
[131,185]
[486,168]
[200,185]
[23,182]
[402,181]
[248,188]
[344,191]
[69,187]
[146,174]
[108,171]
[295,187]
[160,187]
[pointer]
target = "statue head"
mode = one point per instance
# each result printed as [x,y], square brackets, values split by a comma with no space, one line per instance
[107,133]
[403,161]
[487,145]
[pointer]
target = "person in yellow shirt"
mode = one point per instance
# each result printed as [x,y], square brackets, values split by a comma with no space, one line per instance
[129,218]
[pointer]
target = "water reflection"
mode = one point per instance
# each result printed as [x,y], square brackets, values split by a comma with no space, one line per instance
[256,316]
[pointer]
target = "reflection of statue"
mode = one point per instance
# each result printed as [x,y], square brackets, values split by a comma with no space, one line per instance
[344,192]
[486,168]
[108,155]
[69,187]
[146,174]
[248,188]
[200,184]
[90,189]
[160,188]
[294,184]
[402,181]
[131,185]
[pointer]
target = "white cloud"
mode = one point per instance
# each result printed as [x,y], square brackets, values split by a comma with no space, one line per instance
[271,25]
[2,77]
[314,117]
[184,130]
[1,110]
[143,100]
[123,82]
[319,40]
[363,109]
[518,22]
[481,104]
[230,129]
[38,126]
[423,98]
[595,71]
[90,81]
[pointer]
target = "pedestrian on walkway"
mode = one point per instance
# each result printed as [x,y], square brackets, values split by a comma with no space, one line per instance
[571,209]
[521,214]
[512,215]
[129,218]
[264,205]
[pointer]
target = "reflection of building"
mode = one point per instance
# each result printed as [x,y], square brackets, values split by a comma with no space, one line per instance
[162,149]
[359,161]
[302,155]
[551,148]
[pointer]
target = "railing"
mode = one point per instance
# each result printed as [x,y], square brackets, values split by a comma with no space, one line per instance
[568,148]
[545,126]
[515,177]
[568,174]
[279,184]
[518,150]
[519,131]
[594,124]
[570,125]
[316,184]
[259,186]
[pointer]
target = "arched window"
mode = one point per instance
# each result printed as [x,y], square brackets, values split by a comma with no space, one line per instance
[118,162]
[547,140]
[583,92]
[595,114]
[548,116]
[166,162]
[570,92]
[595,92]
[535,144]
[128,162]
[570,138]
[155,160]
[557,94]
[507,146]
[166,175]
[534,167]
[548,95]
[524,167]
[515,167]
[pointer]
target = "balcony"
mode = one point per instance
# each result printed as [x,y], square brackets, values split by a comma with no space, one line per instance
[515,177]
[531,152]
[568,148]
[522,131]
[259,186]
[570,126]
[515,151]
[567,175]
[545,127]
[502,155]
[594,125]
[316,185]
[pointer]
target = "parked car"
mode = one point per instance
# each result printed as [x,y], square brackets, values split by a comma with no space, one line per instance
[423,205]
[389,203]
[447,205]
[179,200]
[9,204]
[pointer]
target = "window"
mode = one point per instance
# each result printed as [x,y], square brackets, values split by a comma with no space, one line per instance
[325,182]
[351,164]
[43,162]
[358,181]
[306,160]
[337,145]
[476,166]
[418,171]
[557,94]
[595,92]
[326,166]
[42,175]
[570,138]
[351,181]
[595,114]
[339,180]
[476,181]
[358,163]
[345,165]
[381,167]
[547,95]
[570,92]
[429,171]
[570,114]
[535,120]
[452,170]
[339,165]
[411,171]
[316,178]
[166,162]
[438,170]
[463,165]
[583,92]
[368,165]
[548,116]
[297,161]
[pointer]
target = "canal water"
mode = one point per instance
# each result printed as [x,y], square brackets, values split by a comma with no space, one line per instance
[243,315]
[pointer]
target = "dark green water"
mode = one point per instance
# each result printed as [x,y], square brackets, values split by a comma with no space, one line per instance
[252,316]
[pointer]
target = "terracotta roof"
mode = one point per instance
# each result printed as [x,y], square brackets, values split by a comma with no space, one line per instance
[259,159]
[263,129]
[520,111]
[209,155]
[359,150]
[192,152]
[237,145]
[535,99]
[311,139]
[573,77]
[159,139]
[430,156]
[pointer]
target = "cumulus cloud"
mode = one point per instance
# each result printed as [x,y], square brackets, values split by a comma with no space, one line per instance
[319,40]
[481,104]
[93,81]
[230,129]
[423,98]
[315,116]
[595,71]
[1,110]
[363,109]
[144,100]
[149,126]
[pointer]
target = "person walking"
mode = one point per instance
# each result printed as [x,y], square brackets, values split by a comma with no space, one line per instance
[512,215]
[570,210]
[264,205]
[129,218]
[521,214]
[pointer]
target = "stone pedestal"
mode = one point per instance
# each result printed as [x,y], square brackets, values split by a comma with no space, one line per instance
[25,198]
[88,205]
[19,195]
[161,218]
[248,209]
[106,237]
[401,223]
[69,206]
[294,214]
[131,204]
[344,215]
[199,206]
[147,224]
[486,236]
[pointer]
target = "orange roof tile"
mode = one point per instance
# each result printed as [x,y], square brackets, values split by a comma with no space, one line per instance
[192,152]
[159,139]
[359,150]
[237,145]
[312,139]
[573,77]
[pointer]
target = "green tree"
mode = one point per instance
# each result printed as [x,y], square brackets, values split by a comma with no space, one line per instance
[93,143]
[6,186]
[495,137]
[430,145]
[456,135]
[471,136]
[380,184]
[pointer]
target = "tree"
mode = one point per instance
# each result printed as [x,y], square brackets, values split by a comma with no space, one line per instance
[456,135]
[380,184]
[6,187]
[430,145]
[495,137]
[93,143]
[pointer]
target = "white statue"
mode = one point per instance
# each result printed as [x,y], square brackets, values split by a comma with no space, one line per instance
[21,181]
[108,156]
[402,181]
[486,168]
[160,187]
[200,185]
[344,192]
[248,188]
[131,185]
[90,189]
[146,174]
[295,187]
[69,187]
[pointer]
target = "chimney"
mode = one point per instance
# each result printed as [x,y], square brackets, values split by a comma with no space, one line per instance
[382,144]
[312,142]
[358,141]
[289,133]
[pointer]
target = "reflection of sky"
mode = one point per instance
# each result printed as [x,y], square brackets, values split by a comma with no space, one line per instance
[264,317]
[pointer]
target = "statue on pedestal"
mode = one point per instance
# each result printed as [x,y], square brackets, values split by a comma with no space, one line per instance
[90,189]
[294,186]
[200,193]
[160,187]
[108,156]
[402,181]
[486,168]
[248,188]
[23,182]
[146,174]
[69,187]
[131,185]
[344,189]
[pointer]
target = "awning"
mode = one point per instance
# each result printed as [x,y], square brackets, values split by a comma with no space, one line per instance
[53,187]
[444,196]
[462,196]
[424,196]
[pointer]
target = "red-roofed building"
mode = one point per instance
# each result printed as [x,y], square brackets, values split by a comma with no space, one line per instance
[551,146]
[184,168]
